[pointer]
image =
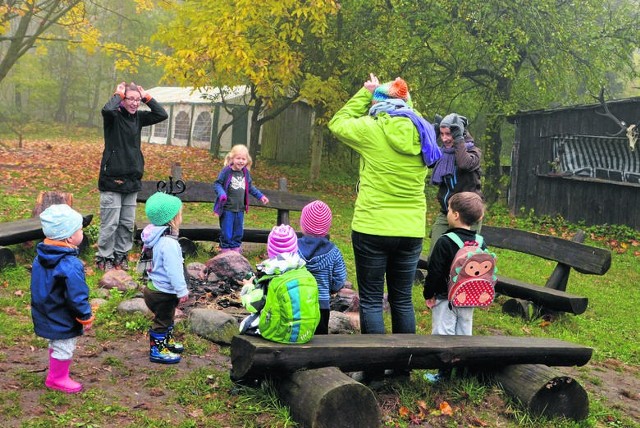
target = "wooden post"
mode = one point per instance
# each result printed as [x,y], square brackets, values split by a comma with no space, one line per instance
[545,391]
[328,398]
[283,215]
[176,171]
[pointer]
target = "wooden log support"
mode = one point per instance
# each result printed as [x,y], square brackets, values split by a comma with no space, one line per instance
[254,357]
[544,391]
[328,398]
[7,258]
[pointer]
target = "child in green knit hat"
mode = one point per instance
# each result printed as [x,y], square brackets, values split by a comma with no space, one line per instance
[167,287]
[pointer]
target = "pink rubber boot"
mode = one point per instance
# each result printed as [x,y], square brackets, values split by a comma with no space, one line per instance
[58,377]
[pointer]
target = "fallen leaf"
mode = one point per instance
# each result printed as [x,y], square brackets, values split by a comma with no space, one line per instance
[446,409]
[404,412]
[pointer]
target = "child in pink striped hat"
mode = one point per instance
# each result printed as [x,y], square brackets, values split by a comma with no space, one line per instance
[323,259]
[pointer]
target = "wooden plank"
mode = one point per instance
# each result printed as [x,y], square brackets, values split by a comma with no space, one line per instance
[549,298]
[19,231]
[584,258]
[254,357]
[197,191]
[206,232]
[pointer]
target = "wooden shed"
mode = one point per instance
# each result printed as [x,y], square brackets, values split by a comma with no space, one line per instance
[196,116]
[568,162]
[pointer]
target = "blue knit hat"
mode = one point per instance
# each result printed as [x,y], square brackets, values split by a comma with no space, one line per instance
[60,222]
[161,208]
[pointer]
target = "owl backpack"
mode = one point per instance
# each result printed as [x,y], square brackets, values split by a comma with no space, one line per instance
[472,277]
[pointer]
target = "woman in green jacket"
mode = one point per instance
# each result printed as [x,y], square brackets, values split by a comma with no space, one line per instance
[395,146]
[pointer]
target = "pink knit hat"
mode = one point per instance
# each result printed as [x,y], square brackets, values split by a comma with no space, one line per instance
[282,239]
[315,219]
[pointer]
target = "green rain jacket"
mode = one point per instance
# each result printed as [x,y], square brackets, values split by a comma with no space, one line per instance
[391,199]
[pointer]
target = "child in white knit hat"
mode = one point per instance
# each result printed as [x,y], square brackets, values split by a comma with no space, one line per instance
[60,306]
[323,259]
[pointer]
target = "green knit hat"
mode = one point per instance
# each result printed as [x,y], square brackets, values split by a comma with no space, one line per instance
[161,208]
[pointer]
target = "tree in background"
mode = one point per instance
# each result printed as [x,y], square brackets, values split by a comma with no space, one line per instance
[487,59]
[244,42]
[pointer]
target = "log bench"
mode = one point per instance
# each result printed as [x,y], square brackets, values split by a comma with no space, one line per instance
[21,231]
[552,297]
[255,357]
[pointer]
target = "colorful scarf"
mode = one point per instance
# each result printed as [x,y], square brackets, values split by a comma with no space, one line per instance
[446,165]
[397,107]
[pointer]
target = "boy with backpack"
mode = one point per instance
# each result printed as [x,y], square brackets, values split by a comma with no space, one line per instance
[283,298]
[461,273]
[459,255]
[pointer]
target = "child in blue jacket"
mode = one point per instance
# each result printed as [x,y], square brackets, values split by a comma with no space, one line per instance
[323,259]
[60,306]
[233,187]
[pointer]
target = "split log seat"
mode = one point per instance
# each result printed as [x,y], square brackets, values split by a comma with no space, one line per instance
[20,231]
[254,357]
[568,254]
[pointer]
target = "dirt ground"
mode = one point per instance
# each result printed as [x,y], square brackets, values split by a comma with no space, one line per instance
[616,385]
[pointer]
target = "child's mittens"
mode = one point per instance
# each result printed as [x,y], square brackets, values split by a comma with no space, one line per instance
[252,297]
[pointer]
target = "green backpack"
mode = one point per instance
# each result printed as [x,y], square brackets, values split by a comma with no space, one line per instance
[291,312]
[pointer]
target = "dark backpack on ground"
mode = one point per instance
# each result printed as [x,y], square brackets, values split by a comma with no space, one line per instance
[472,277]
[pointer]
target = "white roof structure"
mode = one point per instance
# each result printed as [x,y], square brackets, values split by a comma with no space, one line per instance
[191,95]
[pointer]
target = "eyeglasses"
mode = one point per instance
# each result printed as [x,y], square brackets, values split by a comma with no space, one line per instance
[133,100]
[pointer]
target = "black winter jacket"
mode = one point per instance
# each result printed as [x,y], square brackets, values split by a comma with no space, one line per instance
[122,162]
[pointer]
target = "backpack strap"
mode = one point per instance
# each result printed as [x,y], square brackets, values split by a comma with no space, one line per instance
[455,238]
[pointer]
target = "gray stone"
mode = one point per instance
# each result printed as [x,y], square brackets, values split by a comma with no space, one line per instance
[132,306]
[344,322]
[214,325]
[118,279]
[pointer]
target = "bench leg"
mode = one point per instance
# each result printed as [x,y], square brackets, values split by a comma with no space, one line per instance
[7,258]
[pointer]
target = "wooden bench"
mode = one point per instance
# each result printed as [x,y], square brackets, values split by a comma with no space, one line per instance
[20,231]
[552,297]
[195,191]
[256,357]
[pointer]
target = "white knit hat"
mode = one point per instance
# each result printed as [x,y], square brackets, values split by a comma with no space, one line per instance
[60,221]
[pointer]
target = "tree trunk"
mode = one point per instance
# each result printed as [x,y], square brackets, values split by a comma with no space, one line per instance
[545,391]
[316,154]
[328,398]
[254,135]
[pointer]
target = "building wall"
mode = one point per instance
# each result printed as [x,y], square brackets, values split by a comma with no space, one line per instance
[534,184]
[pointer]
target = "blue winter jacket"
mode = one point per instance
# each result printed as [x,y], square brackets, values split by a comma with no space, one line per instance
[59,292]
[325,262]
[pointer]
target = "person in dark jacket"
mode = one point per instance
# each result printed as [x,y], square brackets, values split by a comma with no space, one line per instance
[60,306]
[458,170]
[121,171]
